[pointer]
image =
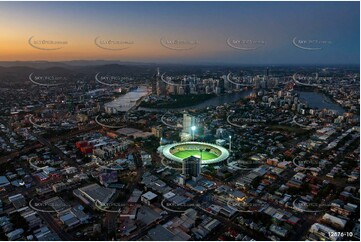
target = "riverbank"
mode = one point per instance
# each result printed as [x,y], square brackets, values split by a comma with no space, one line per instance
[179,101]
[211,102]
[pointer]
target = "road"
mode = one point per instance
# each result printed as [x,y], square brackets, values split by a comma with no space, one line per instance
[55,149]
[54,226]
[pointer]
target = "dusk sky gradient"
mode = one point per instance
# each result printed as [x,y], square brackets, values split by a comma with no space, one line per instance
[210,23]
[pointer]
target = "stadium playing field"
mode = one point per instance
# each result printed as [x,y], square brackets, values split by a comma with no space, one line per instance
[187,153]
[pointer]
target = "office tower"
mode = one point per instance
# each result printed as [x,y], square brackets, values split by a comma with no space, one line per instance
[159,87]
[154,83]
[221,85]
[187,87]
[227,85]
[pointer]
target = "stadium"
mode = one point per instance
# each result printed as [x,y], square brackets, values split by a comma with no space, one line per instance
[209,153]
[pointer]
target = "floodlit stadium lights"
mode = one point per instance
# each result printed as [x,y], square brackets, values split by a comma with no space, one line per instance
[193,129]
[230,143]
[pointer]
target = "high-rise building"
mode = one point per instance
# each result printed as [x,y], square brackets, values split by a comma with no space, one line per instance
[159,87]
[267,73]
[191,167]
[227,85]
[221,85]
[188,122]
[154,82]
[172,89]
[157,131]
[180,90]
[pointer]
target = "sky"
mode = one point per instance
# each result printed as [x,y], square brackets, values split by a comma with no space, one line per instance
[182,32]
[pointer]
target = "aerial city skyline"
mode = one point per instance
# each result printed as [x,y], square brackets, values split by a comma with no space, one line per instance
[180,121]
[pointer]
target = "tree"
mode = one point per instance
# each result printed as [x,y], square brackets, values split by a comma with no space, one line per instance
[86,159]
[256,182]
[18,221]
[2,235]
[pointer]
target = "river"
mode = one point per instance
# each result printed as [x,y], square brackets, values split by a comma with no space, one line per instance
[128,100]
[314,99]
[319,101]
[215,101]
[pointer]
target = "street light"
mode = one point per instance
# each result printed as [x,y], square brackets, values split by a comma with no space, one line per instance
[193,129]
[230,143]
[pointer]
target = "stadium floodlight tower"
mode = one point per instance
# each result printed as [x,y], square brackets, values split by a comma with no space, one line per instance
[201,150]
[230,143]
[193,130]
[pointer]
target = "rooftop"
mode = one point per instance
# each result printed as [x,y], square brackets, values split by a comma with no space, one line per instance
[149,195]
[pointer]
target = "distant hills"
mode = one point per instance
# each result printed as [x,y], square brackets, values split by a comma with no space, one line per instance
[17,73]
[84,63]
[67,64]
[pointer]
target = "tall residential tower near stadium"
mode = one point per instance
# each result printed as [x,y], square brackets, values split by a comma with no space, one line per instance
[191,167]
[189,124]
